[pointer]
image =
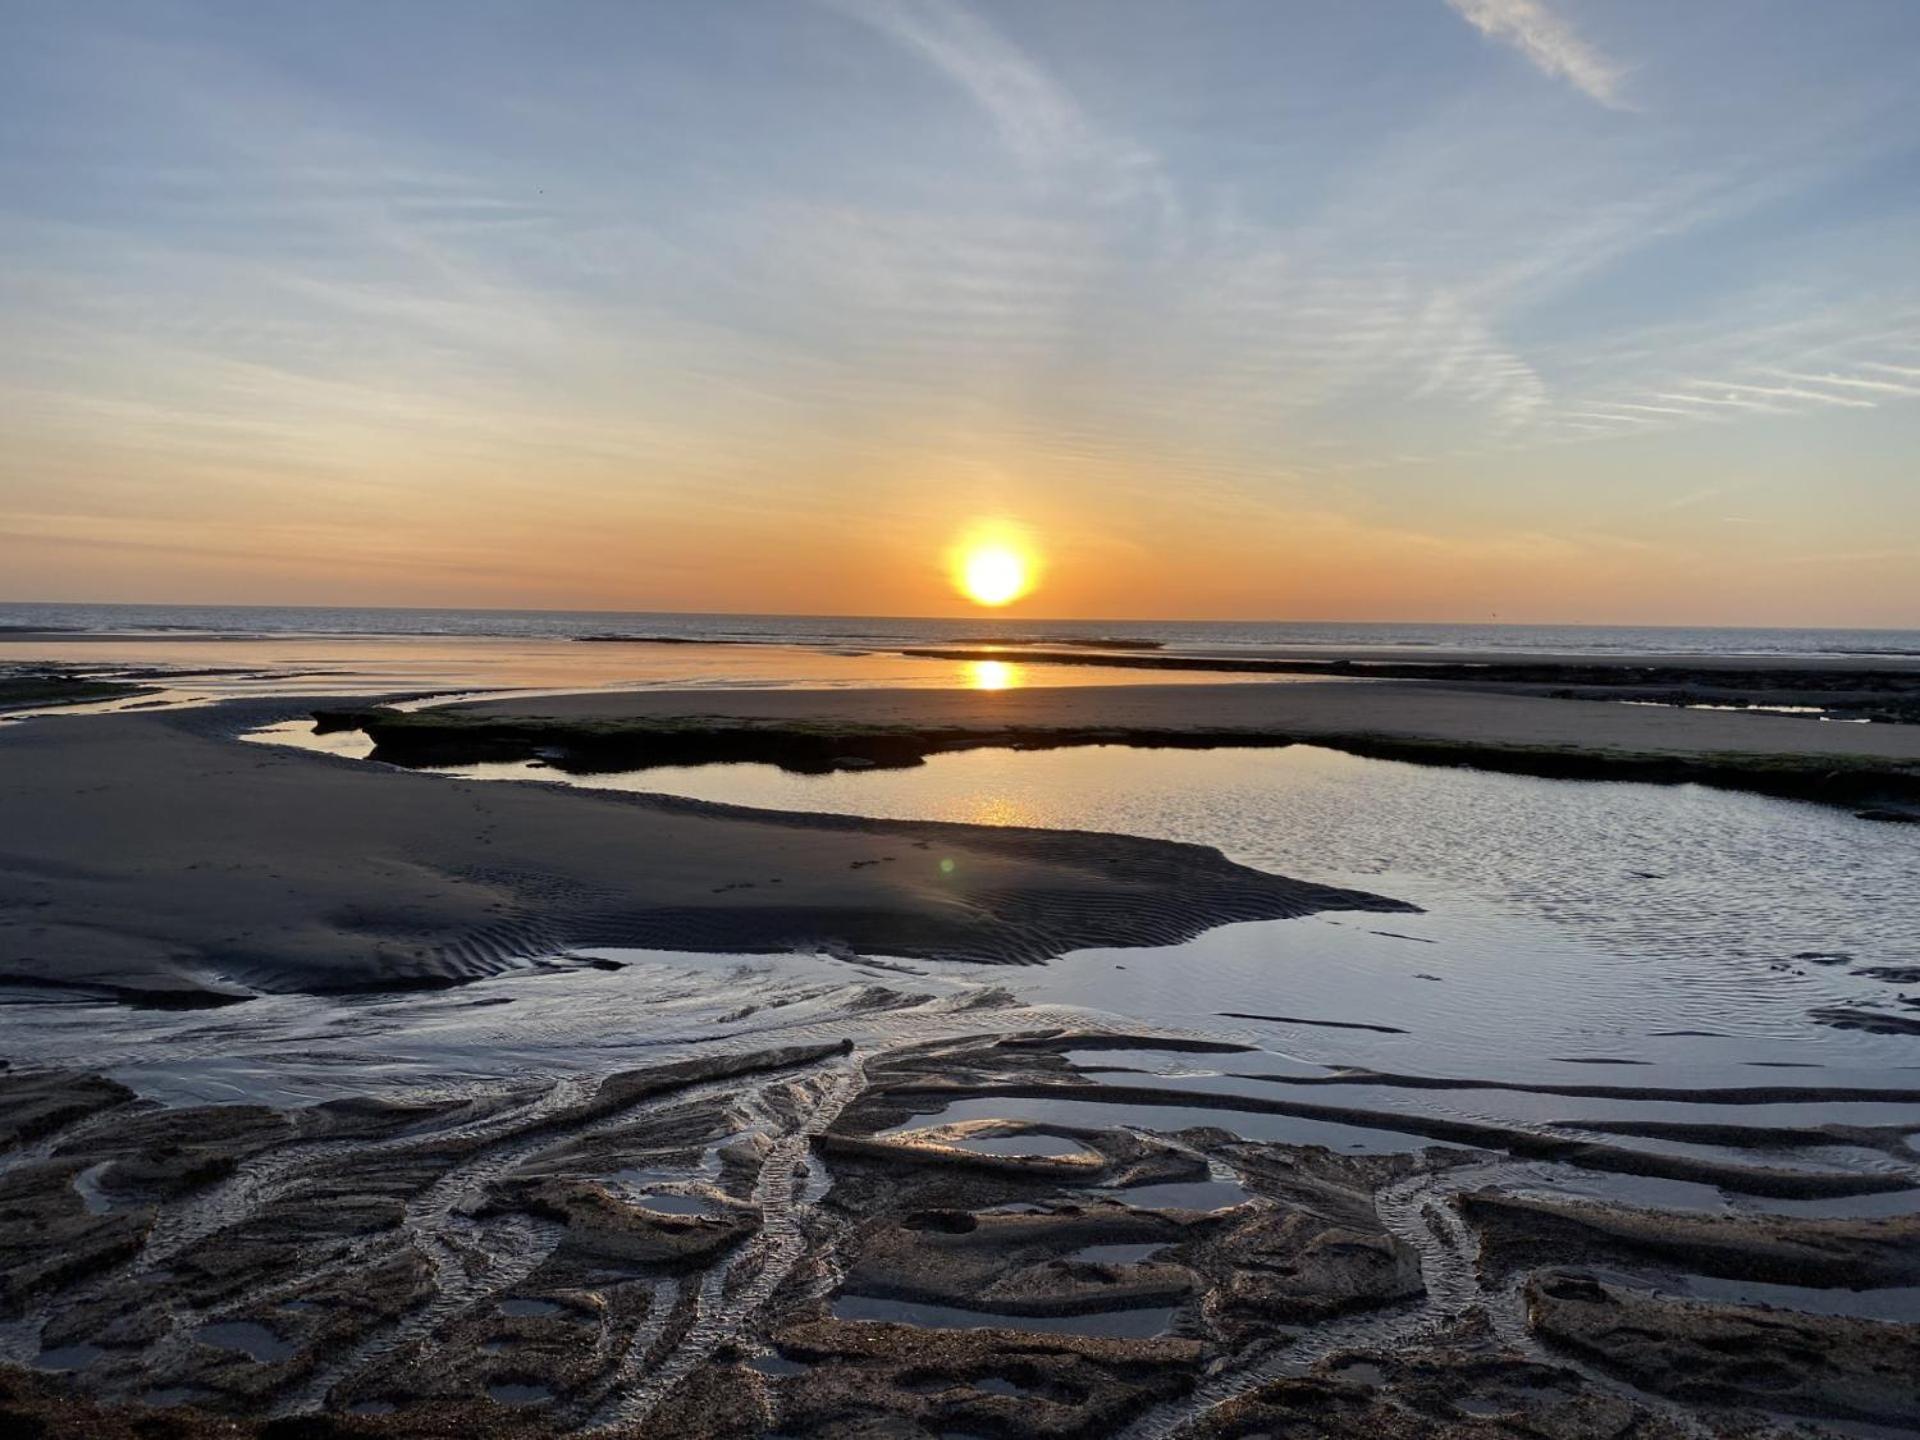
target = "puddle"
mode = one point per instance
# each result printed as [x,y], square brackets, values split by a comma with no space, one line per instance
[524,1309]
[674,1203]
[1474,1405]
[1181,1195]
[87,1185]
[169,1396]
[371,1407]
[256,1342]
[1118,1254]
[608,1277]
[1361,1372]
[1845,1207]
[1896,1303]
[514,1393]
[775,1364]
[67,1357]
[994,1385]
[1141,1324]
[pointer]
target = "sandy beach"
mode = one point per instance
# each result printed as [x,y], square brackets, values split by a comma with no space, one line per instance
[786,1143]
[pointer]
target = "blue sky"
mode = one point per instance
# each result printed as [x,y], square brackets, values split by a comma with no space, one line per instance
[1555,309]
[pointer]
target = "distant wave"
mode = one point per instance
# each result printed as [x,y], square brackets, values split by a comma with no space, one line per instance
[879,632]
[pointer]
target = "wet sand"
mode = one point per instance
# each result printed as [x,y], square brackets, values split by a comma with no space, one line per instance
[1872,768]
[1406,710]
[157,858]
[835,1263]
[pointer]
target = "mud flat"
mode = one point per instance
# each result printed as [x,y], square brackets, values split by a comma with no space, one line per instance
[1881,688]
[790,1240]
[1874,769]
[157,859]
[30,688]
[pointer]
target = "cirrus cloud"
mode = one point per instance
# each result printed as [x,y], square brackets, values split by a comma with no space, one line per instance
[1549,41]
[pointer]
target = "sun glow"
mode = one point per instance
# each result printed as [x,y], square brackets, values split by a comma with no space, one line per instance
[993,570]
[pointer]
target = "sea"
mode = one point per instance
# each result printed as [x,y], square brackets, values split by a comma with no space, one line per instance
[861,631]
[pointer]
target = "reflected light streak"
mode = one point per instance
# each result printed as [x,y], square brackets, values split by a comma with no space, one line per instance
[993,675]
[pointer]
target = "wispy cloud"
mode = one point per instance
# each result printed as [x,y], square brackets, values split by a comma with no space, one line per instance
[1549,42]
[1732,388]
[1854,382]
[1037,118]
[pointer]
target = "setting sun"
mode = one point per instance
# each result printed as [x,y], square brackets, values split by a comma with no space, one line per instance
[993,569]
[994,575]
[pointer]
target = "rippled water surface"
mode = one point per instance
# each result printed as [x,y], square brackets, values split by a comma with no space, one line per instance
[187,670]
[1580,926]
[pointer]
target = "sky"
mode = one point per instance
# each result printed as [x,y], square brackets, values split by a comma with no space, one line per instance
[1537,310]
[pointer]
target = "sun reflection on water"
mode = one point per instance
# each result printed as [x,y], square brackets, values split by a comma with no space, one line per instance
[998,809]
[993,675]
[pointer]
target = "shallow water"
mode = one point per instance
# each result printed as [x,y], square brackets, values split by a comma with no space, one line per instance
[191,670]
[1140,1324]
[523,1309]
[517,1394]
[1589,954]
[1182,1195]
[1729,885]
[1895,1303]
[1121,1254]
[256,1342]
[68,1358]
[670,1203]
[87,1185]
[1671,926]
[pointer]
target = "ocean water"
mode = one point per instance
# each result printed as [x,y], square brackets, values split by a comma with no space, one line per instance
[883,631]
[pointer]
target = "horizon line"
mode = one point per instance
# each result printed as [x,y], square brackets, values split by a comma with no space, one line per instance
[1000,617]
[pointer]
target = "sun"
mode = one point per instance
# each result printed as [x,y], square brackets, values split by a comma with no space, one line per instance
[994,574]
[993,564]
